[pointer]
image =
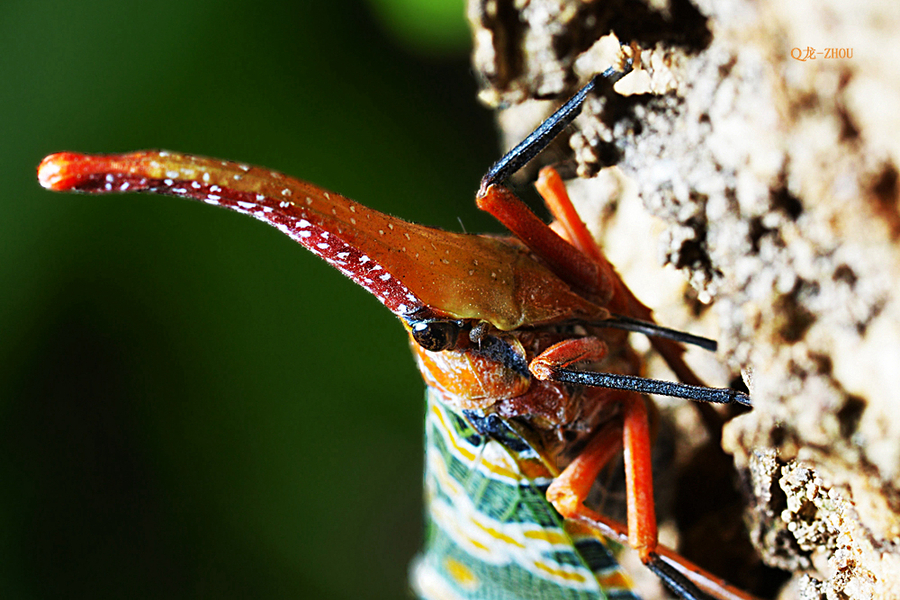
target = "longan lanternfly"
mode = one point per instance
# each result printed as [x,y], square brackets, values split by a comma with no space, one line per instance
[532,386]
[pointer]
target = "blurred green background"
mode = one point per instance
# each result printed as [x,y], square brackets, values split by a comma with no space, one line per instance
[190,404]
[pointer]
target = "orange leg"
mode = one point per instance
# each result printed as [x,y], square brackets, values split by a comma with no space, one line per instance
[567,353]
[563,258]
[642,534]
[553,190]
[569,490]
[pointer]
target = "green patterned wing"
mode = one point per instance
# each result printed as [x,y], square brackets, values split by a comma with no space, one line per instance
[490,533]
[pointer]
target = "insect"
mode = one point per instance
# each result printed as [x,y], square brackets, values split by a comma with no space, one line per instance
[515,434]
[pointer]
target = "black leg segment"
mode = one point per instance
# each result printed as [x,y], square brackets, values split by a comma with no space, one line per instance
[541,137]
[680,585]
[653,330]
[643,385]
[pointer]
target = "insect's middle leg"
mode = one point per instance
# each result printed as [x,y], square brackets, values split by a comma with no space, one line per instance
[642,532]
[569,490]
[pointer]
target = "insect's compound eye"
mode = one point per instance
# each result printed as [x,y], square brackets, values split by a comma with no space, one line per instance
[435,335]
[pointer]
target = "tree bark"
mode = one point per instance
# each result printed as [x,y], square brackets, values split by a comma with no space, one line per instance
[746,187]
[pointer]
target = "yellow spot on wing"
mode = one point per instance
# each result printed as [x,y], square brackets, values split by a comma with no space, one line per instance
[547,535]
[463,576]
[498,535]
[566,575]
[479,545]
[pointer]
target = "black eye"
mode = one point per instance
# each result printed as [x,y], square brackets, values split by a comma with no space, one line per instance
[435,335]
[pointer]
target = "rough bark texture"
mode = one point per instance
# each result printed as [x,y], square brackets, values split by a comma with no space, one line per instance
[770,184]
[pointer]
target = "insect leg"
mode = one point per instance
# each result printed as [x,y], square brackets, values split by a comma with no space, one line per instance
[622,301]
[541,137]
[645,385]
[566,353]
[651,329]
[553,190]
[554,362]
[570,489]
[642,532]
[712,585]
[569,263]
